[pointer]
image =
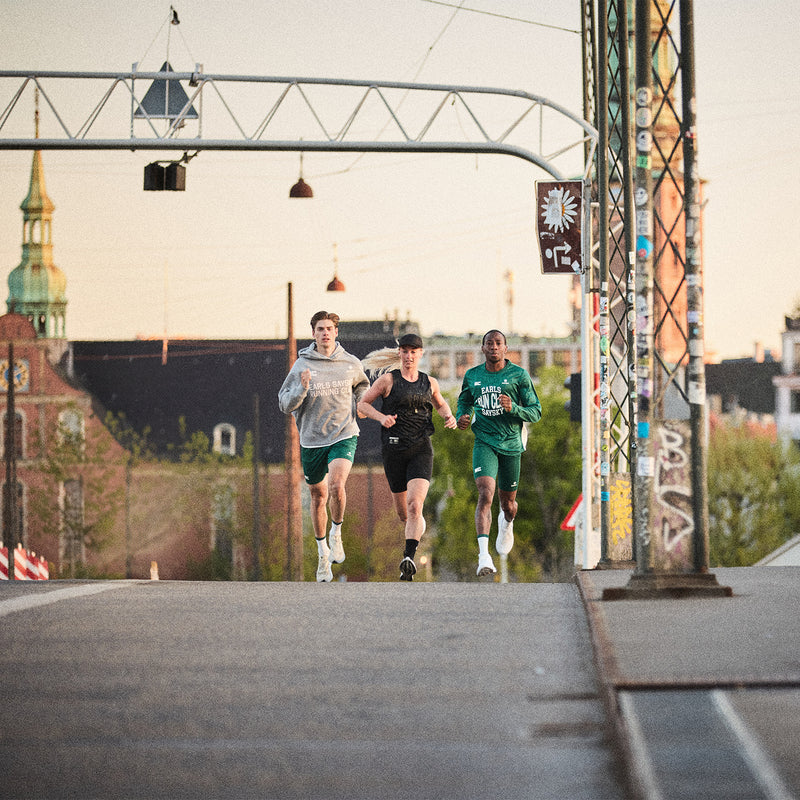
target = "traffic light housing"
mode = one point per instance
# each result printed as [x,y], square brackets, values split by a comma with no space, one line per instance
[169,177]
[573,383]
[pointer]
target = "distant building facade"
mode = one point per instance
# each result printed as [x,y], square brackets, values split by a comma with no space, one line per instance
[787,384]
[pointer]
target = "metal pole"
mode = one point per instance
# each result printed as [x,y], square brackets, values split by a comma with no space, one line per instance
[256,490]
[588,30]
[694,283]
[11,468]
[294,513]
[588,366]
[651,580]
[602,227]
[644,468]
[630,235]
[128,547]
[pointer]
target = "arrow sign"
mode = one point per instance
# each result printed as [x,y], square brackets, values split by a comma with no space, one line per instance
[559,220]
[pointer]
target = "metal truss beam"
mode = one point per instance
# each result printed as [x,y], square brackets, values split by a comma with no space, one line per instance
[251,112]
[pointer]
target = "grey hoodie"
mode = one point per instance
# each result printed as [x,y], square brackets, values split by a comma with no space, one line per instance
[325,412]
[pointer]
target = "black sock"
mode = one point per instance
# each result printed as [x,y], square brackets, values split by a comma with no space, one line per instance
[411,548]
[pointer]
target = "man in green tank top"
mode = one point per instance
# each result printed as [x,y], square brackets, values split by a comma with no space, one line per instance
[497,398]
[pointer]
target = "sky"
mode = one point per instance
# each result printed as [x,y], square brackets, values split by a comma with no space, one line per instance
[426,237]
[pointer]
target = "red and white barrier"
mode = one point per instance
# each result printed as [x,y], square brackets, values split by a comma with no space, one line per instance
[21,564]
[27,566]
[43,569]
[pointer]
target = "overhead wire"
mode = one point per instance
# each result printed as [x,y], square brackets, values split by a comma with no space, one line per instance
[416,75]
[462,7]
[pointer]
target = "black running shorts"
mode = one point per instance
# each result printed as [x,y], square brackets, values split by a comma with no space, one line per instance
[403,465]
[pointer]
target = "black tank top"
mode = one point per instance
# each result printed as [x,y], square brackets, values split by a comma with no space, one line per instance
[412,401]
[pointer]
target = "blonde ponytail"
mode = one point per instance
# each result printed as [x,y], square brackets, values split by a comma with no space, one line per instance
[380,361]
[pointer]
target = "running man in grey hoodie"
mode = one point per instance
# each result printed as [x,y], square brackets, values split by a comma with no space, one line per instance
[321,392]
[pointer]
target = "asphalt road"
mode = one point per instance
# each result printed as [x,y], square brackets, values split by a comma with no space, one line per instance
[300,690]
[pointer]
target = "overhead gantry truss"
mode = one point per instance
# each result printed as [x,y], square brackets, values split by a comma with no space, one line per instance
[135,111]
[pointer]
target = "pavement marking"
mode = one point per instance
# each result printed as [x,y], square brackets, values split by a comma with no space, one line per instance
[754,755]
[45,598]
[642,763]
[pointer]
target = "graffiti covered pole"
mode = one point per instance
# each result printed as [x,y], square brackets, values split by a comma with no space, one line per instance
[694,293]
[669,484]
[644,338]
[603,319]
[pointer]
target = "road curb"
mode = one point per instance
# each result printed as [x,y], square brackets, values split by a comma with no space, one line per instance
[605,662]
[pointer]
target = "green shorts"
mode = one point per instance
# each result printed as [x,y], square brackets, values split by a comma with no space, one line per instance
[315,460]
[488,463]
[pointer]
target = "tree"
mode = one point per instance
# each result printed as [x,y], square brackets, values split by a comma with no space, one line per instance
[753,493]
[550,480]
[82,497]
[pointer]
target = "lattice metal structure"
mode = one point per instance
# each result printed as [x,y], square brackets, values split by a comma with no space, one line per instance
[617,277]
[253,112]
[609,290]
[651,406]
[662,328]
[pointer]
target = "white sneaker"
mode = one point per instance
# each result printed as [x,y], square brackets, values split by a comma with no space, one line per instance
[324,571]
[505,535]
[407,569]
[485,565]
[337,551]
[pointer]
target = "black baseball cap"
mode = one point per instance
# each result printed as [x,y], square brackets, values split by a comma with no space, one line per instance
[410,340]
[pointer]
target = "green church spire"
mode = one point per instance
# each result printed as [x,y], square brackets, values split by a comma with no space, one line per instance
[37,287]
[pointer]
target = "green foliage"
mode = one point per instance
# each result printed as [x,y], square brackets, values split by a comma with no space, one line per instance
[386,548]
[194,448]
[81,571]
[82,460]
[550,481]
[136,443]
[214,567]
[451,501]
[753,495]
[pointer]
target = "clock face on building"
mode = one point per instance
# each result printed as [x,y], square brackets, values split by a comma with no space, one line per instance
[22,374]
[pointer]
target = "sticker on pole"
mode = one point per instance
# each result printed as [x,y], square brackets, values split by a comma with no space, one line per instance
[559,222]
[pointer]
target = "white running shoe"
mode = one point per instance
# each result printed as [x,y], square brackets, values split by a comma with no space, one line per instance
[485,565]
[324,571]
[337,551]
[407,569]
[505,535]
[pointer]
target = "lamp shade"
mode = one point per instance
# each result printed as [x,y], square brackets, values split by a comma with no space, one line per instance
[335,285]
[301,189]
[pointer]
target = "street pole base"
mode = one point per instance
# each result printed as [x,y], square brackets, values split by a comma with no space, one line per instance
[609,563]
[668,586]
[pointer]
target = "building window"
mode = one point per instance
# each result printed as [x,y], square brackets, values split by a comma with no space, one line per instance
[440,366]
[794,401]
[71,426]
[464,361]
[20,516]
[563,359]
[72,545]
[225,439]
[514,356]
[795,365]
[19,434]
